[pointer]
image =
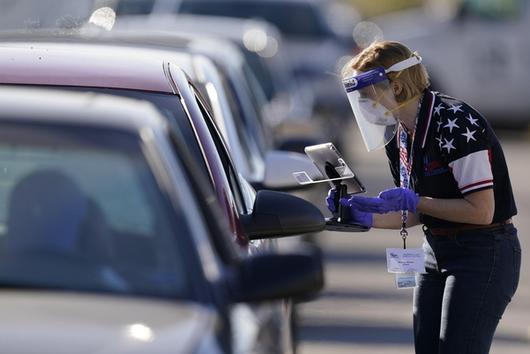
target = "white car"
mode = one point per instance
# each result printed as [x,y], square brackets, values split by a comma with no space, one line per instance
[481,54]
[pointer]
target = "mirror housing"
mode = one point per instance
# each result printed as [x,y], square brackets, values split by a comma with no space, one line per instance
[279,168]
[278,214]
[268,277]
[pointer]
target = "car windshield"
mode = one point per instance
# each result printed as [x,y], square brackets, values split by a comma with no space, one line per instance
[81,210]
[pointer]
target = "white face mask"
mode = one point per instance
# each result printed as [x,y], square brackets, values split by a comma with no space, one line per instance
[375,113]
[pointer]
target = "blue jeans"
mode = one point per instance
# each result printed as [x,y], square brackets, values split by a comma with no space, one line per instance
[470,279]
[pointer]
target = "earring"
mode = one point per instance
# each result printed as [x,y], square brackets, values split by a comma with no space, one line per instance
[396,89]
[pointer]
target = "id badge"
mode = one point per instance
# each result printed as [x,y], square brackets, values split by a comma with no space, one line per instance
[410,260]
[405,280]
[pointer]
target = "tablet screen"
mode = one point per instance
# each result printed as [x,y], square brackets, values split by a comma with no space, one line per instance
[332,166]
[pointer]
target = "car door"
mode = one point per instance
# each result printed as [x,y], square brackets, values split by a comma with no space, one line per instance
[220,162]
[225,193]
[269,332]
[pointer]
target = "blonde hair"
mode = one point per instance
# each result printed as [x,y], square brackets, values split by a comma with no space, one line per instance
[385,54]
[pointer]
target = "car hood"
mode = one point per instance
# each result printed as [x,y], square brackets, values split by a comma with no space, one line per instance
[55,322]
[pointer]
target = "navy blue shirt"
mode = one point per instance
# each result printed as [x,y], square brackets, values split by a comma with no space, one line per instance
[456,153]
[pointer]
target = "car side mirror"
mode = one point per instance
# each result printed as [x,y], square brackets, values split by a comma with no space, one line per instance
[299,276]
[278,214]
[279,168]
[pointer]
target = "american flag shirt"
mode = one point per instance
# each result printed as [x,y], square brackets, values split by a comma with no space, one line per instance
[456,153]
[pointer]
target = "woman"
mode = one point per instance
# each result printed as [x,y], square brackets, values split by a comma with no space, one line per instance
[451,176]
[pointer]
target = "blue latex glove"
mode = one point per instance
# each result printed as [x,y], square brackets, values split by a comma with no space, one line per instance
[356,215]
[368,204]
[330,200]
[400,199]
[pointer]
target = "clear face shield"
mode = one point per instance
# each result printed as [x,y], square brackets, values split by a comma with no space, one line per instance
[372,103]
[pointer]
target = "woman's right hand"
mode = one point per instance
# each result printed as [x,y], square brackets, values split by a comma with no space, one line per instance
[330,199]
[356,215]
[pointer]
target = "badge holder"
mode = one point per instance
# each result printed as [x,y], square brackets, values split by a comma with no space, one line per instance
[333,170]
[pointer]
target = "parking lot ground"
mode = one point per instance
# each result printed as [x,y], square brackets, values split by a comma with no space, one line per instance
[361,311]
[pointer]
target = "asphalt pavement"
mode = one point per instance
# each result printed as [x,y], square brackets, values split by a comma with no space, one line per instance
[361,311]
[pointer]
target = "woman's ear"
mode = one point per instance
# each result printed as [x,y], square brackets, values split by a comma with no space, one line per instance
[397,87]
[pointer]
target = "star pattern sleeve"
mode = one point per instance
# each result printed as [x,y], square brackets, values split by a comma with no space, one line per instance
[463,141]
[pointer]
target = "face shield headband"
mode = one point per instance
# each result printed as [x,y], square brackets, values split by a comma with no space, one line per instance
[372,105]
[374,76]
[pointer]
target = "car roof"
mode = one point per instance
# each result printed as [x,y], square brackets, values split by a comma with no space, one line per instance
[263,1]
[81,64]
[126,56]
[34,105]
[232,28]
[215,47]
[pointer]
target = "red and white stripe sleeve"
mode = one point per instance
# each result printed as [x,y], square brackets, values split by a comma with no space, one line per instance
[473,172]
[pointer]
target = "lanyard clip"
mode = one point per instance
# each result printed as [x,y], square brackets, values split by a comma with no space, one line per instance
[404,233]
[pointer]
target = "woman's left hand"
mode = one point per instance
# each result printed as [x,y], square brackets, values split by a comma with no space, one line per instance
[367,204]
[395,199]
[400,199]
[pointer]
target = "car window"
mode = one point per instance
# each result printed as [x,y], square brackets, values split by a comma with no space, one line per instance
[81,210]
[251,154]
[250,100]
[299,20]
[230,171]
[263,130]
[170,106]
[262,72]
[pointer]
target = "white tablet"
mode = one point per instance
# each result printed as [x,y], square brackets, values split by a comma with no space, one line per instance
[332,167]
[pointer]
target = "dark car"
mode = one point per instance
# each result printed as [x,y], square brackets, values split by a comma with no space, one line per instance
[110,239]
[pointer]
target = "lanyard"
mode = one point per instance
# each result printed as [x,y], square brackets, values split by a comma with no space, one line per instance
[405,160]
[405,167]
[405,170]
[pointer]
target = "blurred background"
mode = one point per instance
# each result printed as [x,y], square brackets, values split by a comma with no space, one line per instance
[476,50]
